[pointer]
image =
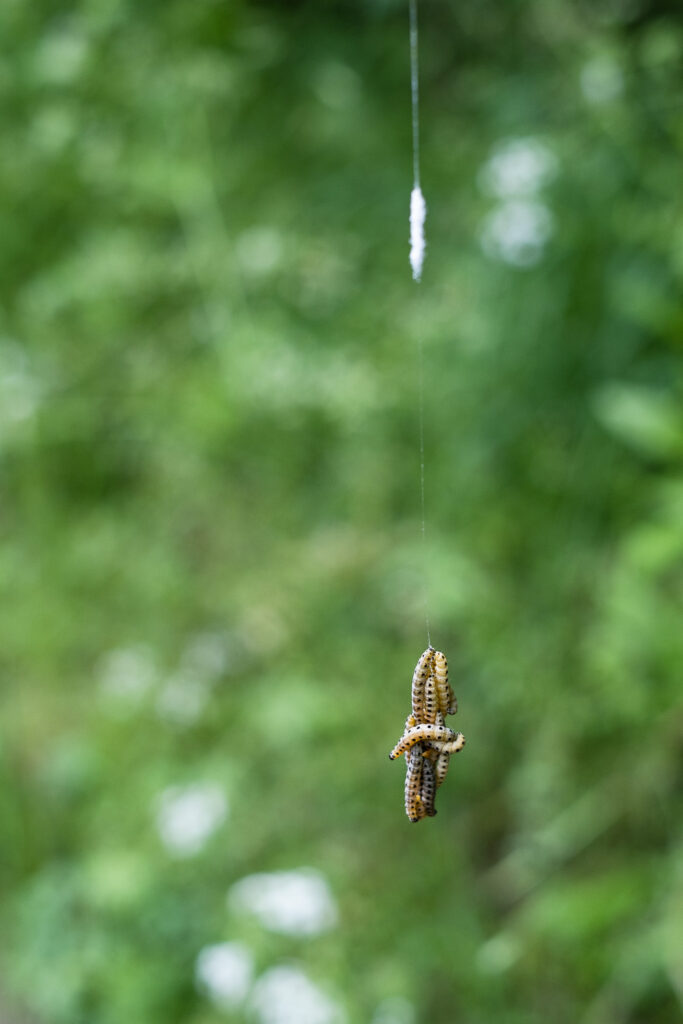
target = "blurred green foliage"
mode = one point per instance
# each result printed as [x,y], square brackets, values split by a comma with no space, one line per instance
[211,564]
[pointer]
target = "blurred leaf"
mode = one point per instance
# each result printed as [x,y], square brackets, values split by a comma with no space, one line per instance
[646,420]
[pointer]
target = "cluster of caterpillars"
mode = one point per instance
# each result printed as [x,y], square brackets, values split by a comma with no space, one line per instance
[426,742]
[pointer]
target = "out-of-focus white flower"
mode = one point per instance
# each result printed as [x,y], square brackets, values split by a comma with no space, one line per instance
[187,816]
[290,902]
[208,655]
[127,673]
[601,80]
[184,695]
[224,973]
[516,232]
[394,1011]
[284,995]
[182,698]
[518,167]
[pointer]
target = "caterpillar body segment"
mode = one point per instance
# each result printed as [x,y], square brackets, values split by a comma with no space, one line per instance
[443,689]
[443,759]
[413,787]
[423,670]
[429,732]
[428,791]
[451,746]
[410,722]
[430,701]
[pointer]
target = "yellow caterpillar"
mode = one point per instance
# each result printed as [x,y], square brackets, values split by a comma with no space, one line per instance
[423,670]
[410,722]
[414,784]
[439,733]
[451,746]
[428,791]
[441,768]
[430,701]
[448,705]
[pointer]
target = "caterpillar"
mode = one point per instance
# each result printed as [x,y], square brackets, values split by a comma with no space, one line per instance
[428,791]
[448,705]
[443,760]
[410,722]
[430,701]
[427,731]
[450,746]
[423,670]
[414,784]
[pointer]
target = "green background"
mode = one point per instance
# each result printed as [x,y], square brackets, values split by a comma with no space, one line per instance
[209,442]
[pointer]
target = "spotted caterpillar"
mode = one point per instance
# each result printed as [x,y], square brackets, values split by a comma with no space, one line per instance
[414,784]
[434,733]
[423,671]
[448,705]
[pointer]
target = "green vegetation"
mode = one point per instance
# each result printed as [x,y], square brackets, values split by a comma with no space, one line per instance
[211,563]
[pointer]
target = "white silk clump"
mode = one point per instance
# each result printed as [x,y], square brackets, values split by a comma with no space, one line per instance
[418,213]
